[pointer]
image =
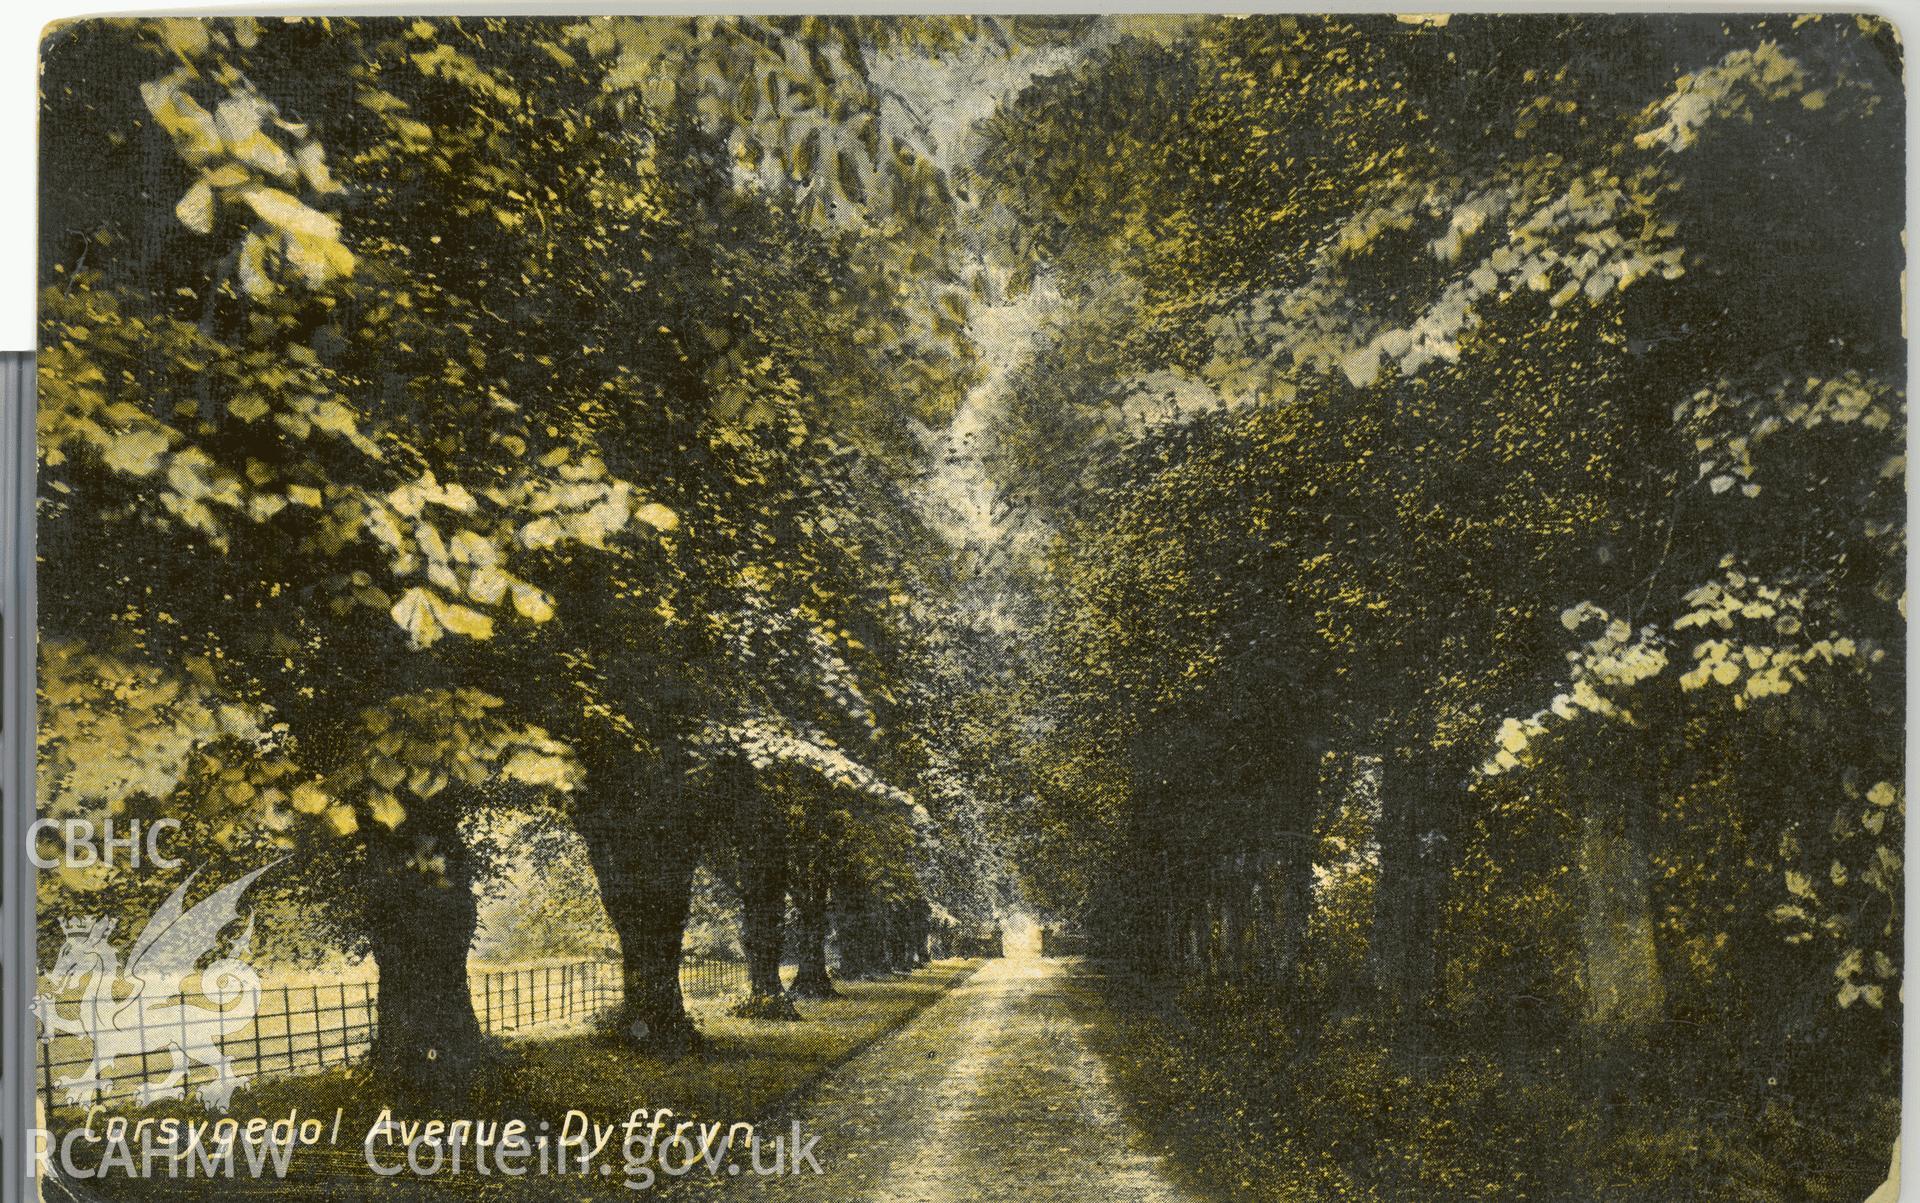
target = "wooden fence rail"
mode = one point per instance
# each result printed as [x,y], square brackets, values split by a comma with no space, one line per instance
[300,1029]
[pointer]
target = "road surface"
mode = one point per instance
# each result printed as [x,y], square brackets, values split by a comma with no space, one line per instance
[991,1094]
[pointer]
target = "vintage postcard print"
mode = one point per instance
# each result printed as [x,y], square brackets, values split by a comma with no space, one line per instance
[916,608]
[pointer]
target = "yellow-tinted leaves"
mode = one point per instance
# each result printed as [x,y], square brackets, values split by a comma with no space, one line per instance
[310,799]
[185,119]
[309,239]
[1727,90]
[414,613]
[238,120]
[386,772]
[318,260]
[541,533]
[195,209]
[467,547]
[487,585]
[239,147]
[533,768]
[386,810]
[312,162]
[658,516]
[248,408]
[136,452]
[185,36]
[409,499]
[252,267]
[592,526]
[463,621]
[424,615]
[432,739]
[532,603]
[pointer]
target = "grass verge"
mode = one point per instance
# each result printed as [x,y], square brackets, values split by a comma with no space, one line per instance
[750,1072]
[1249,1106]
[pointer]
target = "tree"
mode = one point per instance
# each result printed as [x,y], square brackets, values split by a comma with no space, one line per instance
[245,393]
[1395,345]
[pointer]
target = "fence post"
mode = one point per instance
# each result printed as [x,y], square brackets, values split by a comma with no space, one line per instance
[319,1037]
[257,1063]
[286,1020]
[220,1038]
[140,1018]
[186,1064]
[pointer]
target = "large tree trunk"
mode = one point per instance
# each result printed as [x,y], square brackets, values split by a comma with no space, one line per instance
[1226,887]
[1416,845]
[1625,994]
[899,928]
[1167,960]
[419,918]
[760,837]
[647,896]
[920,933]
[1291,877]
[858,923]
[644,841]
[889,937]
[810,980]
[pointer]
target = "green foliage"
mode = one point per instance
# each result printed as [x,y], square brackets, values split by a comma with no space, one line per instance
[1512,404]
[1456,566]
[463,369]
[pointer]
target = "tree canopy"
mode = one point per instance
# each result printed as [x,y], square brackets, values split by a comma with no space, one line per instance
[1393,527]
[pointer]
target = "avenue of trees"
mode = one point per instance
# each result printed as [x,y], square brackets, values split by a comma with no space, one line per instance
[450,425]
[1438,628]
[1474,608]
